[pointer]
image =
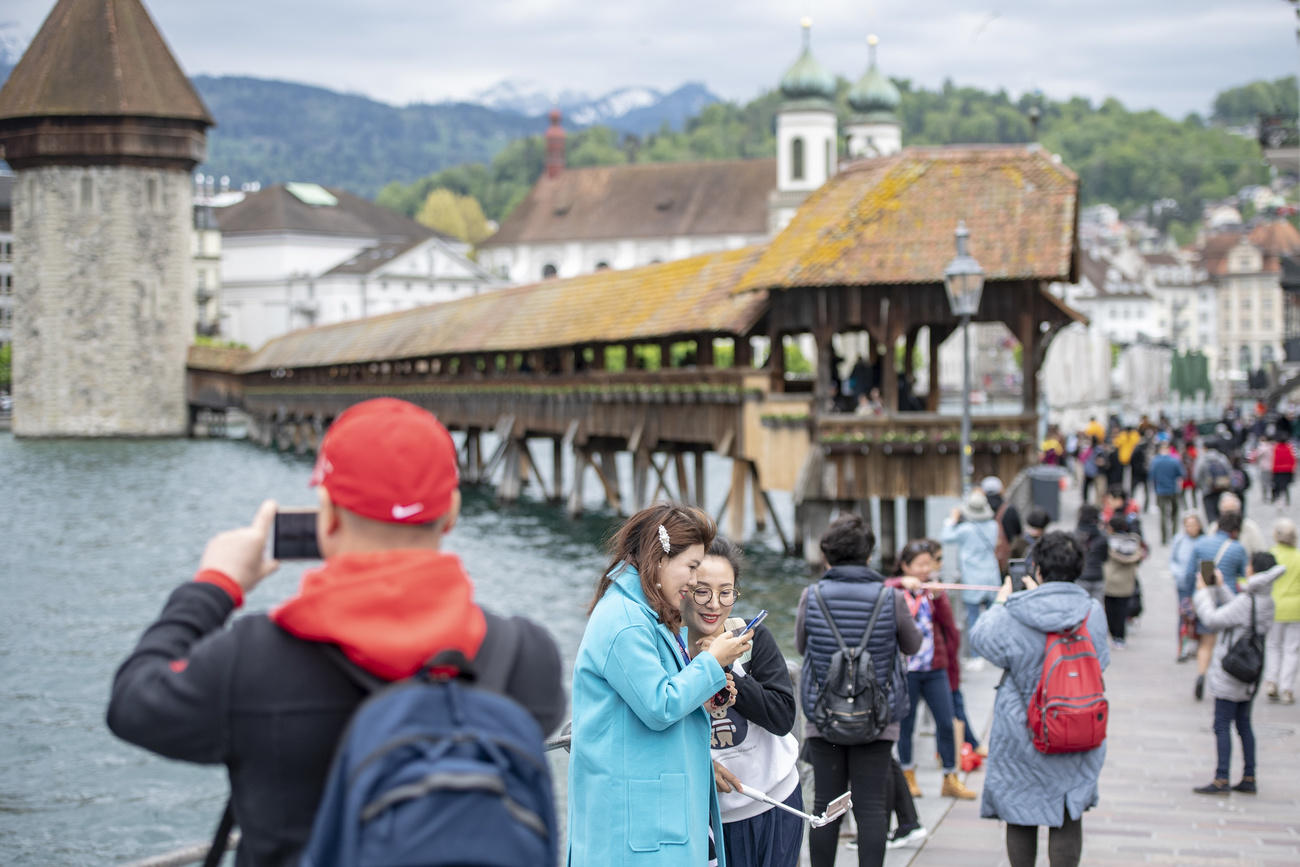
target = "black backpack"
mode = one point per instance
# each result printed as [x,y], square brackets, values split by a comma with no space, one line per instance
[851,707]
[1245,658]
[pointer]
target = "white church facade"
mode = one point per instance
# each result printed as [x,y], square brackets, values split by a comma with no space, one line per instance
[576,221]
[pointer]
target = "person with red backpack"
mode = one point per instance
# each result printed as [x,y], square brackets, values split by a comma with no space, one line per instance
[1048,741]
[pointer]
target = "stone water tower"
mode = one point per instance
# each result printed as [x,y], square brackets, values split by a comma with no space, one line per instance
[102,130]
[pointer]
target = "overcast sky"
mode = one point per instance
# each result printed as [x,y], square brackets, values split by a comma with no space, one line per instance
[1168,54]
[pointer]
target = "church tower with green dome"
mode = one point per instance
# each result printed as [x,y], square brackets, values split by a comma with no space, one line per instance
[806,133]
[874,130]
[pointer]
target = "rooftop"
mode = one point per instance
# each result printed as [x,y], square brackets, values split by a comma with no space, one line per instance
[643,200]
[277,209]
[890,220]
[101,58]
[689,296]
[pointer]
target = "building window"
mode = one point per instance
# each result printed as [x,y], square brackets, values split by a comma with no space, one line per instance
[1265,355]
[548,271]
[1243,357]
[602,266]
[796,160]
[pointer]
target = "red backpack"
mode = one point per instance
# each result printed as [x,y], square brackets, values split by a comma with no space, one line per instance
[1069,709]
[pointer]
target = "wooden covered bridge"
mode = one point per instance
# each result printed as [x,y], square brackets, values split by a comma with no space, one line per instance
[672,361]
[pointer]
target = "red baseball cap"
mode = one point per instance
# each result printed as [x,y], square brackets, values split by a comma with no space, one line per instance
[388,460]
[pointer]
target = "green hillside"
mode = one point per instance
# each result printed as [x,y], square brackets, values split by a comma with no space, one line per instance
[1126,158]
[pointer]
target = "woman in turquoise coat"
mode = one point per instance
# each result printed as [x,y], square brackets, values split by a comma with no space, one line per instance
[641,788]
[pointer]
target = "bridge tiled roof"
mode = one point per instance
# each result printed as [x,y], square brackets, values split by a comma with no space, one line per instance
[101,58]
[688,296]
[645,200]
[890,221]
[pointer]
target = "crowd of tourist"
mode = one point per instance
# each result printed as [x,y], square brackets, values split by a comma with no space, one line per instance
[684,748]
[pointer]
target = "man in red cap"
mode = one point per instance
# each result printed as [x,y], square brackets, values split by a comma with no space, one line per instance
[264,697]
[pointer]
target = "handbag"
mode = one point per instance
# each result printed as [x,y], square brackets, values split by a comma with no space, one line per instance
[1244,660]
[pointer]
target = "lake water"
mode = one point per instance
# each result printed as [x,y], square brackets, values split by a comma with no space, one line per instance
[94,536]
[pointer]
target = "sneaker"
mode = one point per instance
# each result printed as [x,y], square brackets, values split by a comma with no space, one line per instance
[976,664]
[905,837]
[1288,697]
[1246,786]
[1200,687]
[1117,643]
[1214,787]
[1270,689]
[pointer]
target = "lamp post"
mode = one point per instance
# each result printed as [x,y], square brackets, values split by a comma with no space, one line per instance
[963,280]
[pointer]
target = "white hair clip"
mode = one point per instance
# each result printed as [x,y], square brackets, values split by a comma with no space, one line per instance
[663,540]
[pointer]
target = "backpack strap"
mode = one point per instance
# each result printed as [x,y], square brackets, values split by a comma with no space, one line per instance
[871,621]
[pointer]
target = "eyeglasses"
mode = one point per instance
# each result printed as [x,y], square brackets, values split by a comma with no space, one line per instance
[704,595]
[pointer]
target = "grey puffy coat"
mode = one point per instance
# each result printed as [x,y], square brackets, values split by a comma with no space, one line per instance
[1219,610]
[1024,786]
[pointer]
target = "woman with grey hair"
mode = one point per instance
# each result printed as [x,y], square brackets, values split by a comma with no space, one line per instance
[1282,651]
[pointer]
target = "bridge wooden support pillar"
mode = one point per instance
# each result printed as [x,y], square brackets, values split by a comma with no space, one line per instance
[581,460]
[472,456]
[557,470]
[700,488]
[887,538]
[607,471]
[811,517]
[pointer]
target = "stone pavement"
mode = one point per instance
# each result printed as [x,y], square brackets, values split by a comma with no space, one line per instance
[1160,745]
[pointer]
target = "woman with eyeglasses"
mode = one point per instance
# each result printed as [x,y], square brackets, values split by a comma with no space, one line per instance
[752,744]
[641,785]
[927,669]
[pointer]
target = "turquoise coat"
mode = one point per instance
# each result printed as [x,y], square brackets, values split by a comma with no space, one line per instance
[640,775]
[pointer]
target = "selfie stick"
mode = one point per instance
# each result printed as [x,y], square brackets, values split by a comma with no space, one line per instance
[834,809]
[938,586]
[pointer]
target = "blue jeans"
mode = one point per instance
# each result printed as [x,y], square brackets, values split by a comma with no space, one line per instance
[933,687]
[1225,714]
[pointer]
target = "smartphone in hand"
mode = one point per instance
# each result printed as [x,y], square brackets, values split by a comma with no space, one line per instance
[1207,573]
[759,618]
[294,535]
[1016,572]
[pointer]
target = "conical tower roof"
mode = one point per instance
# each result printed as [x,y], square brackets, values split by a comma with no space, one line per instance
[874,97]
[807,79]
[100,58]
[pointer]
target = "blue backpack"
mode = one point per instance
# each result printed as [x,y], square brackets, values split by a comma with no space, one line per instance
[439,770]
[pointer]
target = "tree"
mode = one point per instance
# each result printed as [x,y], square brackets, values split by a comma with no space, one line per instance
[442,213]
[6,365]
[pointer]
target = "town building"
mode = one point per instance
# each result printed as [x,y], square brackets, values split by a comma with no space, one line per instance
[1245,268]
[1185,315]
[102,130]
[1113,301]
[577,221]
[296,255]
[207,270]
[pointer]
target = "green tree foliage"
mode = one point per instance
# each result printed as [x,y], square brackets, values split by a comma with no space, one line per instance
[6,365]
[1243,105]
[1125,158]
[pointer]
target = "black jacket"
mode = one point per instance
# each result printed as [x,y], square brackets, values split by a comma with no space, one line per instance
[765,693]
[269,706]
[1095,552]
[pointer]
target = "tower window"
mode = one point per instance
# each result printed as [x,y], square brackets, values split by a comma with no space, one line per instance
[548,271]
[830,166]
[796,159]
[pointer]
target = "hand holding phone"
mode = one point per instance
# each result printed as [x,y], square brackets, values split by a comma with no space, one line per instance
[1207,573]
[758,618]
[240,554]
[294,537]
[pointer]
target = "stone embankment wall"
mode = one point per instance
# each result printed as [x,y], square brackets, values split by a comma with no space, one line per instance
[104,301]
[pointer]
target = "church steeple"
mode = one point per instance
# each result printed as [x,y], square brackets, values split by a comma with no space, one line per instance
[806,128]
[874,129]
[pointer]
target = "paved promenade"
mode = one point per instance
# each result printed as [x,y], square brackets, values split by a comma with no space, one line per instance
[1160,745]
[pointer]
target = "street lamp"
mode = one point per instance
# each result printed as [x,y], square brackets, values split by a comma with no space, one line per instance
[963,280]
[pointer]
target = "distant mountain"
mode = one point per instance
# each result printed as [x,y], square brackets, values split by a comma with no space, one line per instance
[638,110]
[274,131]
